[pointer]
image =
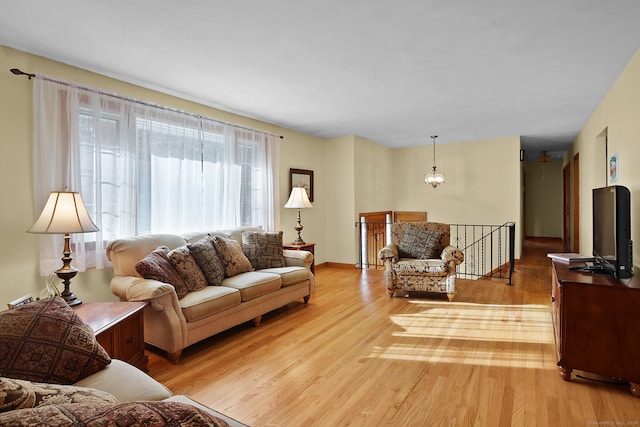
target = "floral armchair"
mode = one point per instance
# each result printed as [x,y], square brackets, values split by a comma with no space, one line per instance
[419,258]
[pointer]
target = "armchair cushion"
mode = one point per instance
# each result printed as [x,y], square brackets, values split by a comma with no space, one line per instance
[418,243]
[432,267]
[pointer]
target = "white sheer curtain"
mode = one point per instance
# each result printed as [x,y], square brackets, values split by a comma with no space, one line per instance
[143,169]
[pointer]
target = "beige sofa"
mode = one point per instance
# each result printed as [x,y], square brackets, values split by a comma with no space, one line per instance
[173,324]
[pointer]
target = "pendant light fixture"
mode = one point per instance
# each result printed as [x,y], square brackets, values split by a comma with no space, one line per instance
[434,178]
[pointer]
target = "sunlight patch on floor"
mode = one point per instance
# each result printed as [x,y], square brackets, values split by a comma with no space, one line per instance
[463,333]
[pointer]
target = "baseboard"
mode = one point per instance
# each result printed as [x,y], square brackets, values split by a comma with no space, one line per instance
[335,265]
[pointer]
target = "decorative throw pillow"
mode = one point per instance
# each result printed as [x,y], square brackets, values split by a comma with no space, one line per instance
[418,243]
[156,266]
[206,256]
[233,259]
[263,249]
[123,414]
[188,269]
[46,341]
[20,394]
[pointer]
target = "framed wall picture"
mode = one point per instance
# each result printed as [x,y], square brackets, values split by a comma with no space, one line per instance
[614,170]
[301,178]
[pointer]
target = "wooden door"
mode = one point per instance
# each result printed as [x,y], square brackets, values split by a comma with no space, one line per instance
[566,207]
[399,216]
[576,203]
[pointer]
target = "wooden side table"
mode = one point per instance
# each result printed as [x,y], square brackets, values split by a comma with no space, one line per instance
[304,247]
[119,328]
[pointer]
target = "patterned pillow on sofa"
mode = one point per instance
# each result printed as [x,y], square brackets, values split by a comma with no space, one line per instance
[20,394]
[156,266]
[264,249]
[418,243]
[233,259]
[206,256]
[187,267]
[46,341]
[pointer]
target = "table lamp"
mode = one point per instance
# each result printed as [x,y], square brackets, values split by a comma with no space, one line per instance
[65,213]
[298,200]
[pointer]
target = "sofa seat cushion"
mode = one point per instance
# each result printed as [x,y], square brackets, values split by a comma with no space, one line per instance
[433,267]
[253,284]
[289,275]
[210,300]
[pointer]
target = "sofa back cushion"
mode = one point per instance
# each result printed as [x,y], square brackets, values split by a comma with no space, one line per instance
[126,252]
[398,231]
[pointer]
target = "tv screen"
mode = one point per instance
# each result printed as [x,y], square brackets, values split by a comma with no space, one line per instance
[612,230]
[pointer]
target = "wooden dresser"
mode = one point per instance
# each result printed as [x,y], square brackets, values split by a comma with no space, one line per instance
[119,328]
[596,320]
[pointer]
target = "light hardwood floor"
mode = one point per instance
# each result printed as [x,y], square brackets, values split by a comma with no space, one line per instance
[355,357]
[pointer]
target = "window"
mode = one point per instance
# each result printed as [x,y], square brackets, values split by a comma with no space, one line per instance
[146,169]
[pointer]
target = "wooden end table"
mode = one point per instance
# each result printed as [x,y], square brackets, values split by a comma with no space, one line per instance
[303,247]
[119,328]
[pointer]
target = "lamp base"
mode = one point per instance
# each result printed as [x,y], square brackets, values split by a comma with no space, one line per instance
[66,275]
[299,241]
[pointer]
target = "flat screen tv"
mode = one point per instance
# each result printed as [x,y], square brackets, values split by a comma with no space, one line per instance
[612,245]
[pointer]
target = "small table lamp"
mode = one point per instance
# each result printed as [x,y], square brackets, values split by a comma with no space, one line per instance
[65,213]
[298,200]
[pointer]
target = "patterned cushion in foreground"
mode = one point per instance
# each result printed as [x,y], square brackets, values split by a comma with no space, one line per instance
[123,414]
[21,394]
[47,342]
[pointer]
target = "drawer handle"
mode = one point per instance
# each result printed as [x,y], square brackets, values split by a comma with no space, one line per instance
[131,339]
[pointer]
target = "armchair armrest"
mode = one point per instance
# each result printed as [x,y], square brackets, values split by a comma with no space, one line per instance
[295,258]
[131,288]
[452,256]
[389,252]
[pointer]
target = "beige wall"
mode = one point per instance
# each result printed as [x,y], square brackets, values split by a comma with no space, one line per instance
[543,198]
[482,181]
[339,234]
[618,115]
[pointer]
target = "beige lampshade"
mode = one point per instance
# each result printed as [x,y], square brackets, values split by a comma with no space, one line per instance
[64,213]
[298,199]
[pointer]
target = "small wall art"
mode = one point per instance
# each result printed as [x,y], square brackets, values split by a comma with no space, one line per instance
[301,178]
[614,170]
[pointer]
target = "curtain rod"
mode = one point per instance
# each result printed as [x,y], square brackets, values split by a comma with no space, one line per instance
[19,72]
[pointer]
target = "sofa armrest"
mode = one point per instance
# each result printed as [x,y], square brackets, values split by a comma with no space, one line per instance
[452,256]
[295,258]
[131,288]
[139,386]
[389,252]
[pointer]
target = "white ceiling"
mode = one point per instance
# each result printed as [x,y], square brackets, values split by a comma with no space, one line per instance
[394,72]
